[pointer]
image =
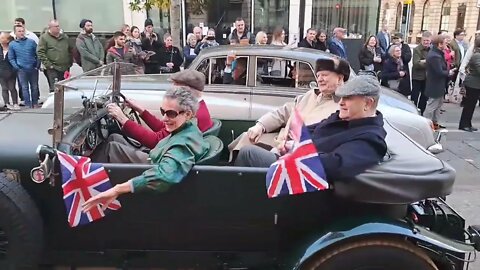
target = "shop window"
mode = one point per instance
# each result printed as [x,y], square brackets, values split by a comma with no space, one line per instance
[107,16]
[217,14]
[445,15]
[36,13]
[360,18]
[161,21]
[462,9]
[269,14]
[425,16]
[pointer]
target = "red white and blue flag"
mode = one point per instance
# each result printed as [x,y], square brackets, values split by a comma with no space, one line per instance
[300,170]
[82,180]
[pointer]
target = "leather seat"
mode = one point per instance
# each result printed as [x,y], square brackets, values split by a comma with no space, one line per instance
[215,129]
[213,155]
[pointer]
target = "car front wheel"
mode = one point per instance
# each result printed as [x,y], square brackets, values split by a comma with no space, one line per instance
[372,254]
[21,227]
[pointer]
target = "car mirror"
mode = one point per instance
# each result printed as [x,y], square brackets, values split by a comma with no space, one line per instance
[313,85]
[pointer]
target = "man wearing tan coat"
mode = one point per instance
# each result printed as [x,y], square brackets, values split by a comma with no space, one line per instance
[314,106]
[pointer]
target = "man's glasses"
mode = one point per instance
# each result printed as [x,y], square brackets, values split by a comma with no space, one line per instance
[172,114]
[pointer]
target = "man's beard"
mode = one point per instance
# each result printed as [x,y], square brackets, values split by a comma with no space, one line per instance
[88,31]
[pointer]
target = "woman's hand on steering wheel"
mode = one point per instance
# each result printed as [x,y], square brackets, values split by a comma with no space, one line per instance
[116,112]
[134,105]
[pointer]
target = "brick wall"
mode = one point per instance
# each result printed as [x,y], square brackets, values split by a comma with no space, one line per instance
[389,11]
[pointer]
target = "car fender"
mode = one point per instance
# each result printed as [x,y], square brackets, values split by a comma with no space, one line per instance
[390,228]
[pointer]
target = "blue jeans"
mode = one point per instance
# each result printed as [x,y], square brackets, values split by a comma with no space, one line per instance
[29,80]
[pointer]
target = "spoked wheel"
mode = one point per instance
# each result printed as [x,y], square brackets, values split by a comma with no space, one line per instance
[372,254]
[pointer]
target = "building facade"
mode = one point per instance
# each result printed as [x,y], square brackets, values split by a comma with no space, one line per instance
[359,17]
[431,15]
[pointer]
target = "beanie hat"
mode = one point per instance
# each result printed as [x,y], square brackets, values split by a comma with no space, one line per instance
[83,22]
[148,22]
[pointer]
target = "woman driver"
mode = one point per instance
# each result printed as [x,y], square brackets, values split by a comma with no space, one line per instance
[173,157]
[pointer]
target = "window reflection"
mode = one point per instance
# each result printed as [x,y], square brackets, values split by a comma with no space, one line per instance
[359,17]
[270,14]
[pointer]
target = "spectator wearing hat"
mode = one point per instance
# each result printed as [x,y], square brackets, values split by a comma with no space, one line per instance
[151,44]
[314,106]
[89,47]
[194,81]
[335,45]
[397,40]
[348,142]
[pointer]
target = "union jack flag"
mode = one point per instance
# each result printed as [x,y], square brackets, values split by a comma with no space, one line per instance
[300,170]
[82,180]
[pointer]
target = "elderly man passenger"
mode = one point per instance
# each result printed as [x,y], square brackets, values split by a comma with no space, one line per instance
[348,142]
[172,158]
[314,106]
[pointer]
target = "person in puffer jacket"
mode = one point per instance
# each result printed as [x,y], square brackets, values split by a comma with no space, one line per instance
[23,58]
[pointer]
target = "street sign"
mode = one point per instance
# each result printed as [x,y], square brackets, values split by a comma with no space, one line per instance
[409,2]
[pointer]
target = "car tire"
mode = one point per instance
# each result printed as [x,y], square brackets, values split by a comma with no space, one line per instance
[387,253]
[21,227]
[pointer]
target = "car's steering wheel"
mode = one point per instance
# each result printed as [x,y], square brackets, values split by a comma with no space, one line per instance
[121,101]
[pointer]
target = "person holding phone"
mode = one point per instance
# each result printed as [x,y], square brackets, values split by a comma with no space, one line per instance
[207,41]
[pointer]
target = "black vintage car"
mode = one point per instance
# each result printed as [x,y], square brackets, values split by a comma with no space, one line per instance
[219,217]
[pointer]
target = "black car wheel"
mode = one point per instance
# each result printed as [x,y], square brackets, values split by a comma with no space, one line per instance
[372,254]
[21,227]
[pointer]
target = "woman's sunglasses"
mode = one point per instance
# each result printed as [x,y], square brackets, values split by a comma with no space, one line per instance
[170,113]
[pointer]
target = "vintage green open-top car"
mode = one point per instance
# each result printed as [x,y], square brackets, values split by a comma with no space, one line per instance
[219,217]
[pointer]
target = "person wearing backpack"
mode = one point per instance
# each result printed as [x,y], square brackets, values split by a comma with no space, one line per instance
[90,53]
[55,53]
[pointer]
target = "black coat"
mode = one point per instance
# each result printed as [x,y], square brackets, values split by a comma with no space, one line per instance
[347,148]
[6,69]
[171,54]
[154,45]
[406,54]
[437,74]
[304,44]
[365,57]
[391,71]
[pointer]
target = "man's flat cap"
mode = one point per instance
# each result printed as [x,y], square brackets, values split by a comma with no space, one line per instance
[363,85]
[189,77]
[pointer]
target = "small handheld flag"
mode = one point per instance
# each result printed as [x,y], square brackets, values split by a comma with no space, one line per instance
[82,180]
[300,170]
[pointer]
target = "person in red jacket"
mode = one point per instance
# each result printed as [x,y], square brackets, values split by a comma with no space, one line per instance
[149,138]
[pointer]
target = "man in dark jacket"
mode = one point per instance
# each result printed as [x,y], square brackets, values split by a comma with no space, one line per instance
[310,40]
[348,142]
[240,32]
[437,77]
[335,45]
[151,42]
[55,52]
[89,46]
[419,75]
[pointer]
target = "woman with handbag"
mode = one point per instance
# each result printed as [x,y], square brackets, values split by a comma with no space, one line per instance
[170,57]
[394,73]
[472,85]
[370,56]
